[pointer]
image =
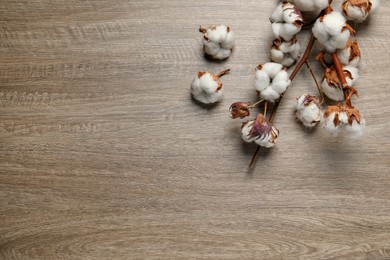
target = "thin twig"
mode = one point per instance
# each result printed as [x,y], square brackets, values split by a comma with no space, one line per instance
[265,109]
[315,80]
[223,73]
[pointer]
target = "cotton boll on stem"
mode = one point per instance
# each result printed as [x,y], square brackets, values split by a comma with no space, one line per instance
[207,87]
[271,80]
[346,117]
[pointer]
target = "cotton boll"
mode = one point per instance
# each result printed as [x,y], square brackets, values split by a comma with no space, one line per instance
[331,85]
[285,52]
[332,32]
[218,41]
[207,88]
[308,110]
[286,21]
[271,80]
[261,131]
[358,10]
[350,55]
[345,117]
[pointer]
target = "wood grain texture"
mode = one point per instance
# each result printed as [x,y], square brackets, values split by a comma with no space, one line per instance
[104,155]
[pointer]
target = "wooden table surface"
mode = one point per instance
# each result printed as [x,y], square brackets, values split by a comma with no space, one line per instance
[104,155]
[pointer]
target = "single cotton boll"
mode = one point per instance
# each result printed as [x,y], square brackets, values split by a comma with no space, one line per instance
[331,85]
[261,131]
[207,88]
[286,21]
[285,52]
[218,41]
[345,117]
[271,80]
[308,110]
[332,32]
[358,10]
[350,55]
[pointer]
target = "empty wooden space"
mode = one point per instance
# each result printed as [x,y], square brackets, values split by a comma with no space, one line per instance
[104,155]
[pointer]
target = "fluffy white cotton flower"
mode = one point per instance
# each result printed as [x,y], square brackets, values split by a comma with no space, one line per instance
[332,31]
[308,110]
[310,5]
[261,131]
[358,10]
[286,21]
[340,117]
[331,85]
[218,41]
[207,88]
[271,81]
[285,52]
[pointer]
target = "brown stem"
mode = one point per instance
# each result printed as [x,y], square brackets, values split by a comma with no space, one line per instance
[304,57]
[340,74]
[265,108]
[223,73]
[315,80]
[302,61]
[254,157]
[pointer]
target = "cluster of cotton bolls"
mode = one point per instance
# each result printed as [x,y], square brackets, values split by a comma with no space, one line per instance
[339,55]
[340,58]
